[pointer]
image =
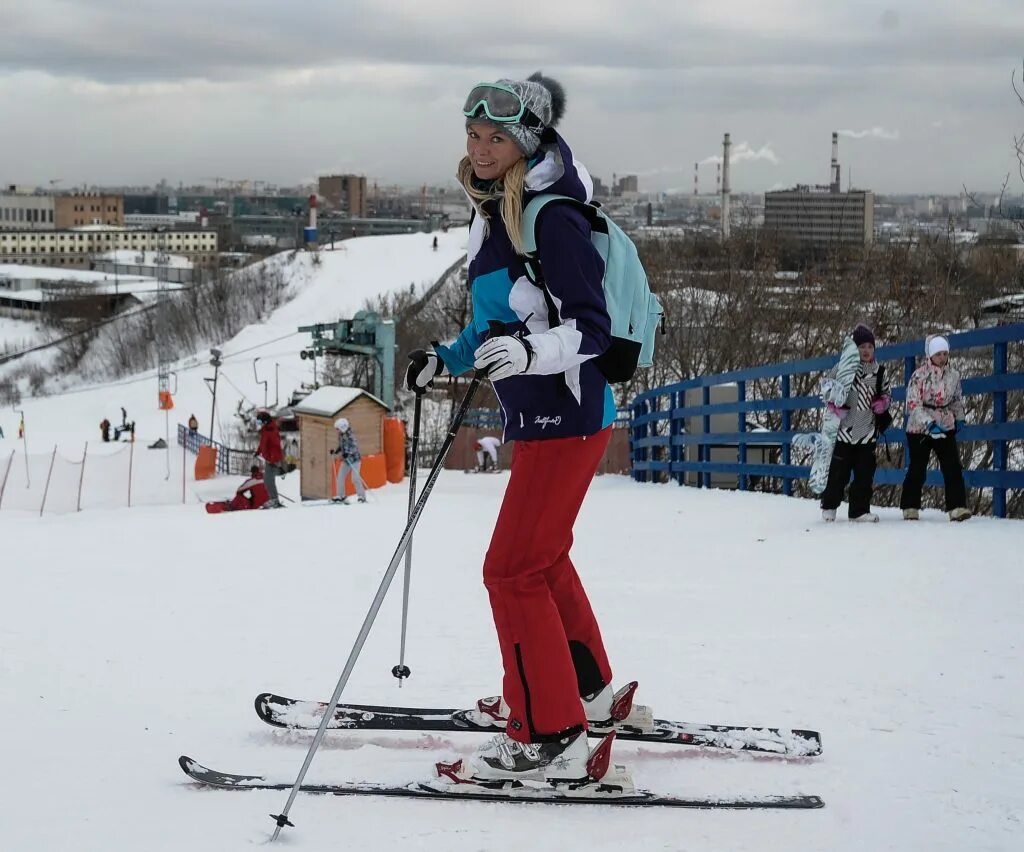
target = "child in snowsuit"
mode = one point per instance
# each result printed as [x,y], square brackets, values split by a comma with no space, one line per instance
[351,460]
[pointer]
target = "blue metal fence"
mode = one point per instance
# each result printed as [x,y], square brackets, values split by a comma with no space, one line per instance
[229,460]
[661,409]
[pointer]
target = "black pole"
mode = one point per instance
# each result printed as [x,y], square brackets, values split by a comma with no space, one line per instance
[402,670]
[281,819]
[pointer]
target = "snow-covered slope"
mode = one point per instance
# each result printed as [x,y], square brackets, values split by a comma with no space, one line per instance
[130,637]
[355,271]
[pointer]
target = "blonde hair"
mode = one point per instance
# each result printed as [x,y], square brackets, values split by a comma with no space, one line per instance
[508,189]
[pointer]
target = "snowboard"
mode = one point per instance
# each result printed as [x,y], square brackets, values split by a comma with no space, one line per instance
[834,389]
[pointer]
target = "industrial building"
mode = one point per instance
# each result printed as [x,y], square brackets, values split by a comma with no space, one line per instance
[822,217]
[75,248]
[344,194]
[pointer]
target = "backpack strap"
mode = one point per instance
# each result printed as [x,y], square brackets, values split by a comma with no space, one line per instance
[531,214]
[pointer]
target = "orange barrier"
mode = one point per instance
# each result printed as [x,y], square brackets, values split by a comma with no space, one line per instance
[373,470]
[394,448]
[206,463]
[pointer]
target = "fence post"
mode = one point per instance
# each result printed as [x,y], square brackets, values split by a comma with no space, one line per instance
[81,476]
[3,485]
[131,460]
[183,465]
[787,445]
[998,418]
[741,447]
[705,399]
[46,487]
[909,365]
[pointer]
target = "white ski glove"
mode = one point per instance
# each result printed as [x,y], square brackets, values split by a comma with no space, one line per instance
[504,356]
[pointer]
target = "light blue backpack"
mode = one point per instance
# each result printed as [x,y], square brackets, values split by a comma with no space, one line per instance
[634,310]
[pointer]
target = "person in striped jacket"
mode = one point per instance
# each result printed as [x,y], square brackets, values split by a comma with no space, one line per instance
[870,396]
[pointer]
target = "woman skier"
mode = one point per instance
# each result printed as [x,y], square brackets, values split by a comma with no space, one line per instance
[536,343]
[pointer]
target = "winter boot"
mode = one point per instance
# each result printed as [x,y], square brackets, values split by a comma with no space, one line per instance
[608,709]
[272,504]
[866,518]
[960,514]
[911,515]
[828,514]
[339,500]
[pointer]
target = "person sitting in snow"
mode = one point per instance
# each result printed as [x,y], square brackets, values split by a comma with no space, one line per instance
[935,408]
[251,494]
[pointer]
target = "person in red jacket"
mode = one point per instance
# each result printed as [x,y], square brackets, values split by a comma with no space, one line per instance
[273,456]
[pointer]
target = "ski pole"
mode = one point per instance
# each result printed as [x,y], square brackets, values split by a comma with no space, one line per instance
[402,670]
[281,819]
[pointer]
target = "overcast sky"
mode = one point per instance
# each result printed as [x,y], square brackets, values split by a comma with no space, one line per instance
[112,91]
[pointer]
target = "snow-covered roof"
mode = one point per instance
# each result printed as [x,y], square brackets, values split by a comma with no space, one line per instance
[328,401]
[20,272]
[130,257]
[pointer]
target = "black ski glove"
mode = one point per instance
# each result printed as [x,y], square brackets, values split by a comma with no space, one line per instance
[424,367]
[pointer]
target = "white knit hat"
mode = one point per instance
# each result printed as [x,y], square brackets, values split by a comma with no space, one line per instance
[936,344]
[341,424]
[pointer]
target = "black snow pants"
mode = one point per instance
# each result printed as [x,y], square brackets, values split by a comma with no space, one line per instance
[858,459]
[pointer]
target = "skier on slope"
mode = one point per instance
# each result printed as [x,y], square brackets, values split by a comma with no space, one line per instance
[487,448]
[537,344]
[857,438]
[270,450]
[351,459]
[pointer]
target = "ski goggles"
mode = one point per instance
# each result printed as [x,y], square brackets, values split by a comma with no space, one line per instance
[501,105]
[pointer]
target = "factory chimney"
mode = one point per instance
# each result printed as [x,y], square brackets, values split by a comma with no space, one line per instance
[726,189]
[835,183]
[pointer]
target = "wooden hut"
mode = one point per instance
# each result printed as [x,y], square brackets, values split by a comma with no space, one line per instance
[317,413]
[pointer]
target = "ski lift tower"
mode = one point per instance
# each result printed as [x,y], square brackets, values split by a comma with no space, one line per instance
[164,353]
[366,335]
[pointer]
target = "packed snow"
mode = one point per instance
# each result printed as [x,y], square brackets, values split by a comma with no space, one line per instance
[130,637]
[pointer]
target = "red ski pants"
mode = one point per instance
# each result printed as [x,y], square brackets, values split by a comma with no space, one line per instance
[550,643]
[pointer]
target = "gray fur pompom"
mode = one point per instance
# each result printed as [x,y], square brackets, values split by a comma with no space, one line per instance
[557,95]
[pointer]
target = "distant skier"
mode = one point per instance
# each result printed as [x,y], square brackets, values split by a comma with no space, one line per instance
[193,424]
[558,407]
[351,460]
[105,430]
[435,243]
[869,397]
[487,448]
[935,405]
[270,451]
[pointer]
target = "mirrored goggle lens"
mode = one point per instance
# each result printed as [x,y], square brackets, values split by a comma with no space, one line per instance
[497,104]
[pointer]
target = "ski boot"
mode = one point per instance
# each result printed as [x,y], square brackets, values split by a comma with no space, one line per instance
[566,764]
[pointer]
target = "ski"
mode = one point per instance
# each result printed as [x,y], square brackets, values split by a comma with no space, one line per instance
[305,715]
[512,792]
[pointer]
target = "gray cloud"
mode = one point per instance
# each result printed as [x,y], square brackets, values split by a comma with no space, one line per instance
[288,88]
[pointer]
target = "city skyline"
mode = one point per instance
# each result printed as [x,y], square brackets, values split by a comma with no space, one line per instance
[919,91]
